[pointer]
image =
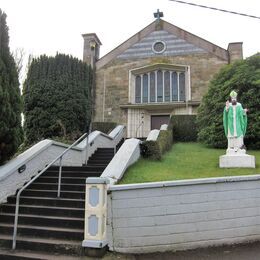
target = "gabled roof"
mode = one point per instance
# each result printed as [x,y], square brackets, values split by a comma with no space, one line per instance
[181,34]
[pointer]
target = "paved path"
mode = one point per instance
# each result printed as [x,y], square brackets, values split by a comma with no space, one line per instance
[239,252]
[250,251]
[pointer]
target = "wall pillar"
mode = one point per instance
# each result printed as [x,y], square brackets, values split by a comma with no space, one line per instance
[95,213]
[91,48]
[235,51]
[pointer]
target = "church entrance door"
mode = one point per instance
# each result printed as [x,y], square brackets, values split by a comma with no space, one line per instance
[158,120]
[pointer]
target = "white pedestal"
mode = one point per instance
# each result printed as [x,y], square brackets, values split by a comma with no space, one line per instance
[236,160]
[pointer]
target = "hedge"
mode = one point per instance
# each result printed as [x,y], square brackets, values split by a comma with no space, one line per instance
[155,149]
[184,128]
[151,150]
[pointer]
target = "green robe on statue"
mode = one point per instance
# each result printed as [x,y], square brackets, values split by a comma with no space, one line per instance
[235,121]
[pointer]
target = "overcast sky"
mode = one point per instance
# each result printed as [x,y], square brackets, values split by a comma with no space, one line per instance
[50,26]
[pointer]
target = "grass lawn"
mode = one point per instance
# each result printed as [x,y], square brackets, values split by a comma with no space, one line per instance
[185,161]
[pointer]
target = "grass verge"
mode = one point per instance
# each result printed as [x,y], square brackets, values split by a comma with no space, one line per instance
[185,161]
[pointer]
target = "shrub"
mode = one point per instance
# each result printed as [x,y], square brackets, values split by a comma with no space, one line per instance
[183,128]
[104,127]
[165,140]
[11,133]
[244,77]
[151,150]
[155,149]
[57,98]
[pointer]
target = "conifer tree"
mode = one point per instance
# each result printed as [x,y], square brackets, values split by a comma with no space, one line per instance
[243,77]
[11,134]
[56,98]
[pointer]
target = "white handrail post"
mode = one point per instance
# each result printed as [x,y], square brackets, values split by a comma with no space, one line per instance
[95,213]
[59,182]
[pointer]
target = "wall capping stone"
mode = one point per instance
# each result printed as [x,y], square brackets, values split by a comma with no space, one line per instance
[161,184]
[128,154]
[23,158]
[41,154]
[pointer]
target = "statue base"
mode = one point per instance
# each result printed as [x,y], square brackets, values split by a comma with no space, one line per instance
[236,159]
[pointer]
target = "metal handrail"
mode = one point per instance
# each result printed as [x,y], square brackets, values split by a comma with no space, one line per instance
[35,177]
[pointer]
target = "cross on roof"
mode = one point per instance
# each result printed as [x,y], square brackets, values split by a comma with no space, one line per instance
[158,14]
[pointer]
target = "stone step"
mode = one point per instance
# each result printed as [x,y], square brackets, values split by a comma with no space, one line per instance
[53,194]
[52,202]
[30,255]
[98,164]
[53,186]
[98,161]
[76,168]
[51,227]
[47,221]
[53,246]
[67,180]
[102,156]
[45,210]
[55,173]
[43,232]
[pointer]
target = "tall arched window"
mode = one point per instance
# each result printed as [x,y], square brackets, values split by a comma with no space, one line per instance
[159,86]
[174,86]
[167,86]
[162,85]
[145,88]
[138,89]
[152,86]
[182,86]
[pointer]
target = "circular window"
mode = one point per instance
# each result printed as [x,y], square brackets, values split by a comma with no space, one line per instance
[159,47]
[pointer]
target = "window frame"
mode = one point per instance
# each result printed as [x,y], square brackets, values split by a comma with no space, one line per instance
[153,69]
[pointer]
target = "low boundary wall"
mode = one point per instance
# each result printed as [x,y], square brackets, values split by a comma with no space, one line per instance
[18,171]
[21,169]
[179,215]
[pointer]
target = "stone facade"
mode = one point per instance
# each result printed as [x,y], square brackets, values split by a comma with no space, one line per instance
[114,83]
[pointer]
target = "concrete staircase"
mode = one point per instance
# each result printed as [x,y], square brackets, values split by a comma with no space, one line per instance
[51,227]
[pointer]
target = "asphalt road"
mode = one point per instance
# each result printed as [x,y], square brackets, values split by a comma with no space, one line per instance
[250,251]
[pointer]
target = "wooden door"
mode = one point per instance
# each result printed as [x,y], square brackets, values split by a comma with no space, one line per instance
[158,120]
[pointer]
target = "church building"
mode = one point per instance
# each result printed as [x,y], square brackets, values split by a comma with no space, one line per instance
[160,71]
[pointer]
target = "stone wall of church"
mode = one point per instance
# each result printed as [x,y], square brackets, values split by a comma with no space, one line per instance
[112,81]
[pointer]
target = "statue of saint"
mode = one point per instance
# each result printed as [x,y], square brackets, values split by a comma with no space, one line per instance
[235,123]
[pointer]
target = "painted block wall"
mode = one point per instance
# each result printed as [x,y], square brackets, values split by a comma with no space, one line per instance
[183,215]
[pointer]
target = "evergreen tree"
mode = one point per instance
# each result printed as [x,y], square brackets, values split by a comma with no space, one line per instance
[11,134]
[243,77]
[56,98]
